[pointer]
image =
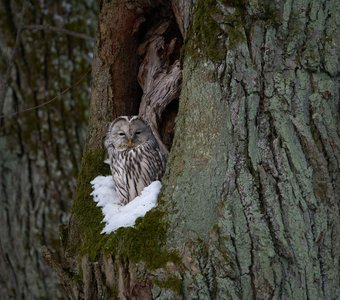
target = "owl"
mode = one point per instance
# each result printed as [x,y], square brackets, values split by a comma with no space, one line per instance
[134,155]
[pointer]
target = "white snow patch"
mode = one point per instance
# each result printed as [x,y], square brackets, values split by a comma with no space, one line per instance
[115,214]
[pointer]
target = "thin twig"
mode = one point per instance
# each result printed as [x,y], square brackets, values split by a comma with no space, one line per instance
[59,30]
[47,102]
[3,81]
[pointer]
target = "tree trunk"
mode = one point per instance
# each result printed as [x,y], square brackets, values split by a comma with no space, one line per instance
[250,200]
[40,149]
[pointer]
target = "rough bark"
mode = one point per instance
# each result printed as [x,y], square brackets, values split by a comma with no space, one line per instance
[254,196]
[250,203]
[40,150]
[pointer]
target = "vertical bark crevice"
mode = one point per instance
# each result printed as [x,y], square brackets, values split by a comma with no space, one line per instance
[36,165]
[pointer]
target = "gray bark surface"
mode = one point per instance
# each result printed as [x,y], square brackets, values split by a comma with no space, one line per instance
[250,198]
[254,196]
[40,149]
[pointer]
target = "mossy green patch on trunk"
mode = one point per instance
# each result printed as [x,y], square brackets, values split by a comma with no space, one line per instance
[204,32]
[211,29]
[171,283]
[145,242]
[87,215]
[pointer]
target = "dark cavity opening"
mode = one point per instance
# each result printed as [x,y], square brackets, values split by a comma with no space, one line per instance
[159,44]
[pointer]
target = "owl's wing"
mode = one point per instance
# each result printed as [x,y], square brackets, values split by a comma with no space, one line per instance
[111,151]
[156,161]
[118,171]
[160,161]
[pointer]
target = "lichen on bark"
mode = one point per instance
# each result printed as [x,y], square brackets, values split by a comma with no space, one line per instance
[275,192]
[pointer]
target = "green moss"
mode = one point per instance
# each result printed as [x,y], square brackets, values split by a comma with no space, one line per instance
[267,11]
[113,294]
[171,283]
[76,278]
[236,33]
[235,23]
[204,32]
[205,35]
[88,216]
[271,17]
[144,242]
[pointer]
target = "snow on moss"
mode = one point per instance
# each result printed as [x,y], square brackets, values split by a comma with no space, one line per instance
[115,214]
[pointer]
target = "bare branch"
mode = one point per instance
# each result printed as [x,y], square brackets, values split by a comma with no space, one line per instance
[60,31]
[4,78]
[47,102]
[21,28]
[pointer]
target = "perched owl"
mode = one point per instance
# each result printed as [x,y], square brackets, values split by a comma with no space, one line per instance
[135,157]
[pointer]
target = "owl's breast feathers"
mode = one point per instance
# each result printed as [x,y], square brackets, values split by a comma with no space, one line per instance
[133,169]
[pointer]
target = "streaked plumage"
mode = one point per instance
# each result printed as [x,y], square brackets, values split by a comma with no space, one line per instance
[135,157]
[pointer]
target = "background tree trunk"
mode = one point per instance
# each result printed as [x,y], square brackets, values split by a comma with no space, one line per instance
[40,150]
[250,200]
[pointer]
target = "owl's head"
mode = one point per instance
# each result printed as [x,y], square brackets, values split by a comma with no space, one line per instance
[126,133]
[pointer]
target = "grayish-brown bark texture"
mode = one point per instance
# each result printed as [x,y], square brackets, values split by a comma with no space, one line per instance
[250,202]
[40,149]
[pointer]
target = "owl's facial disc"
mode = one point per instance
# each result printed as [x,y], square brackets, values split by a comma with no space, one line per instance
[126,140]
[128,134]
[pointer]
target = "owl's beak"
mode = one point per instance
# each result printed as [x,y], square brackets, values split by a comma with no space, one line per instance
[130,143]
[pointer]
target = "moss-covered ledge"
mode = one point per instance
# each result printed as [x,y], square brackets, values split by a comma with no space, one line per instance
[144,243]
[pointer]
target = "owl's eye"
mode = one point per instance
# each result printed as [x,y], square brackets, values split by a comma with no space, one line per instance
[121,133]
[138,132]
